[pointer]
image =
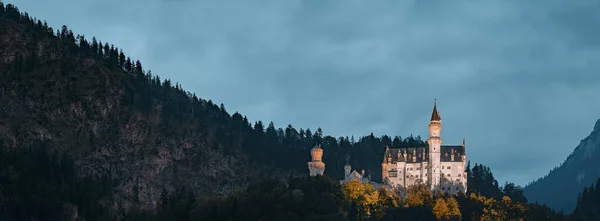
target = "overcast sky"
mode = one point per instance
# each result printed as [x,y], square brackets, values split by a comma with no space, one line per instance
[519,79]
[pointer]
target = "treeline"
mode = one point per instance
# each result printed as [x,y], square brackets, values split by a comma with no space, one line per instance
[481,180]
[42,185]
[588,203]
[321,198]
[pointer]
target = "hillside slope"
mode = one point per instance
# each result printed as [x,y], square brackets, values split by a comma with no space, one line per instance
[86,131]
[559,189]
[88,104]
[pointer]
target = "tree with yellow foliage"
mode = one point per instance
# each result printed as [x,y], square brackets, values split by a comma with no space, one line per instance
[417,195]
[440,209]
[505,209]
[361,198]
[511,210]
[354,190]
[446,209]
[453,209]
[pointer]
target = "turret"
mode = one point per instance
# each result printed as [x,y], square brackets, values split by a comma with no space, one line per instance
[347,167]
[463,157]
[386,163]
[317,153]
[435,124]
[316,166]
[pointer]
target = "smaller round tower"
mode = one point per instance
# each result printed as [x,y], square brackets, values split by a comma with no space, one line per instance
[316,153]
[316,166]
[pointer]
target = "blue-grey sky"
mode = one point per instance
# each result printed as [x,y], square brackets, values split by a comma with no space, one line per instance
[518,79]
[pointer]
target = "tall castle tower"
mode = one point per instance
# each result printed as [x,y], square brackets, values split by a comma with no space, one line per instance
[316,166]
[435,144]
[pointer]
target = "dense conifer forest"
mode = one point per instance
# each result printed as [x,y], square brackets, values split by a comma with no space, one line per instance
[86,133]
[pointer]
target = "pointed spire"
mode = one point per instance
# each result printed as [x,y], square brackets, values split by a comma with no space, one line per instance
[435,116]
[463,141]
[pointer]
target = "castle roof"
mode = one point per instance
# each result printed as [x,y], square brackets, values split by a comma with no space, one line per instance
[421,154]
[435,115]
[447,151]
[397,154]
[354,176]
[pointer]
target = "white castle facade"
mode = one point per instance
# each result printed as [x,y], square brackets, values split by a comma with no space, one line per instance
[440,167]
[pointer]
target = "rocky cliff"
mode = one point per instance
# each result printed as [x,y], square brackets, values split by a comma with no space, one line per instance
[560,188]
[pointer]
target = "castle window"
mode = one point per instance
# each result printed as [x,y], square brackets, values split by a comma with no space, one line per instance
[448,167]
[442,167]
[418,168]
[448,175]
[459,175]
[393,173]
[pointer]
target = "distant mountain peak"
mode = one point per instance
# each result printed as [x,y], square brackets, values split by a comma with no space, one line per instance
[579,170]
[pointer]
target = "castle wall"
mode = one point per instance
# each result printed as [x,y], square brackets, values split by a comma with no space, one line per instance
[453,176]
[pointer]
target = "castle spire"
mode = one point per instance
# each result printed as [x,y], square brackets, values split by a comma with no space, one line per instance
[435,116]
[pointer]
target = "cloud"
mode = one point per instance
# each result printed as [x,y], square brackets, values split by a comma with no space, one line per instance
[518,79]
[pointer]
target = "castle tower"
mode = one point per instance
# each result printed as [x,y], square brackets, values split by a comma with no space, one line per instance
[347,168]
[316,166]
[385,166]
[435,144]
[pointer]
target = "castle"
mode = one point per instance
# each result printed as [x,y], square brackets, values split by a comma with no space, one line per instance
[440,167]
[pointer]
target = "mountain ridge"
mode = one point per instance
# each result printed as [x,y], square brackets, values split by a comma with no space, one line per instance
[578,171]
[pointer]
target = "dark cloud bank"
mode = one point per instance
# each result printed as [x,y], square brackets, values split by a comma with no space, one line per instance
[518,79]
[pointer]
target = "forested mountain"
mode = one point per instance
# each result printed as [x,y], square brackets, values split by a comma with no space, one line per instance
[91,119]
[559,188]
